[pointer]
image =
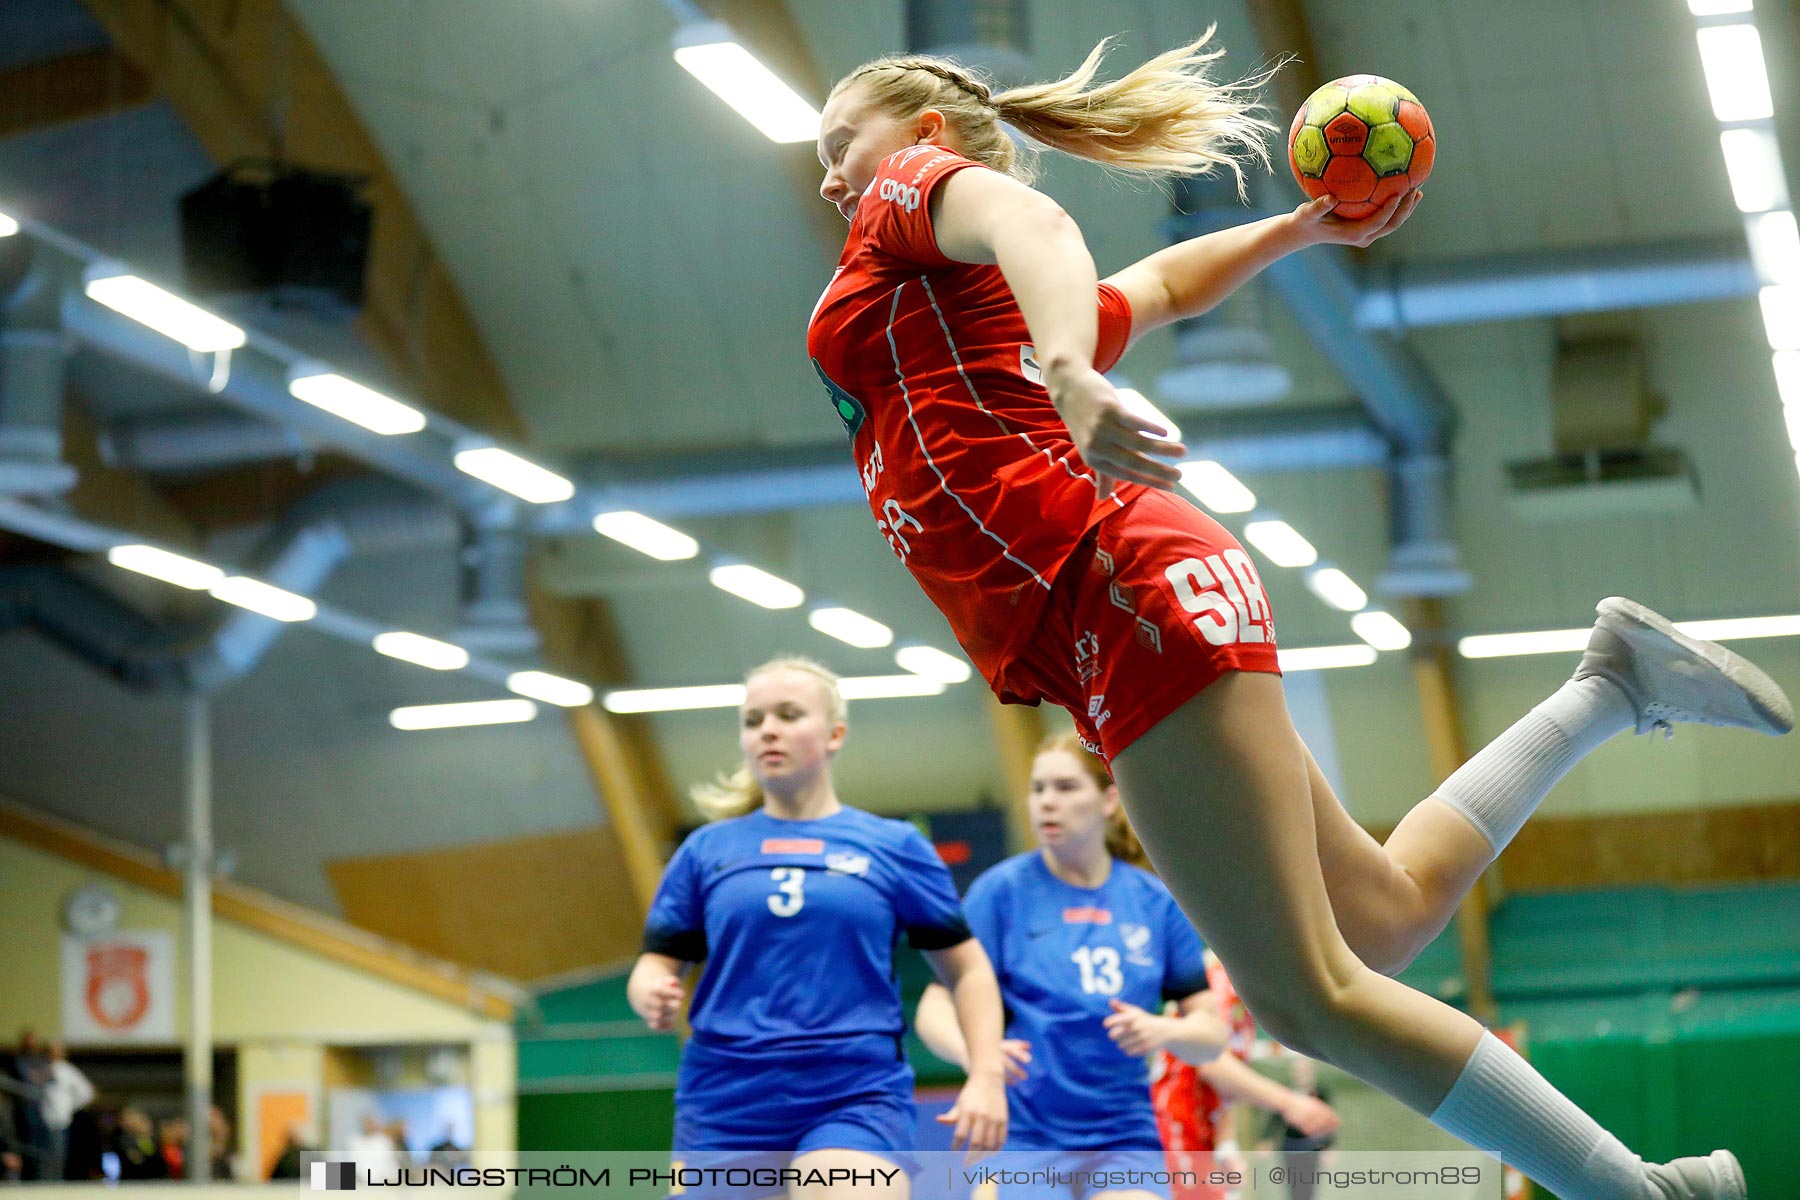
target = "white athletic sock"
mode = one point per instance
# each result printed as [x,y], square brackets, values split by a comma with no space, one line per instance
[1503,785]
[1501,1106]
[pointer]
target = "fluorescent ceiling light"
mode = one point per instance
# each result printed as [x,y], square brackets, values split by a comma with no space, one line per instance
[1216,487]
[265,599]
[458,716]
[888,687]
[1560,641]
[1781,315]
[1736,78]
[1774,246]
[851,627]
[166,313]
[756,585]
[8,226]
[1381,630]
[1542,641]
[1281,543]
[1139,405]
[510,473]
[422,651]
[932,663]
[1336,589]
[161,564]
[733,74]
[551,689]
[645,535]
[675,699]
[1787,378]
[1735,628]
[1717,8]
[1325,658]
[1753,164]
[357,404]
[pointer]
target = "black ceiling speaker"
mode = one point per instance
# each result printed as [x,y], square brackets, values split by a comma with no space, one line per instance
[292,235]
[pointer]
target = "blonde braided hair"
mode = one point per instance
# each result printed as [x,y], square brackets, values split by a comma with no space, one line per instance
[1166,117]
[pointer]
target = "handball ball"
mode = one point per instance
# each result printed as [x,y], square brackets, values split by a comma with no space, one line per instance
[1363,139]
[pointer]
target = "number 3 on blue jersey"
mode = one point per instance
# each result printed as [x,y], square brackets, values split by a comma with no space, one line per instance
[790,884]
[1099,969]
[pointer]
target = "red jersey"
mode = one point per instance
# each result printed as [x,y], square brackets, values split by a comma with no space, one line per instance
[970,473]
[1187,1107]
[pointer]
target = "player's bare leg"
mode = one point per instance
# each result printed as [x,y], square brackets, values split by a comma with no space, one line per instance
[1639,672]
[1220,793]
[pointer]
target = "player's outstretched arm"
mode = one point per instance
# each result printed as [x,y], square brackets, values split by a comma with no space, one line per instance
[1194,1035]
[1236,1080]
[935,1023]
[986,217]
[980,1113]
[1191,277]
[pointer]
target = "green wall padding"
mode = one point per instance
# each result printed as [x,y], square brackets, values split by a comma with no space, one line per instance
[592,1121]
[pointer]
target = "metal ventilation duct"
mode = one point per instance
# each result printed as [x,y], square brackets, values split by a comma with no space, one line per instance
[31,376]
[213,442]
[298,553]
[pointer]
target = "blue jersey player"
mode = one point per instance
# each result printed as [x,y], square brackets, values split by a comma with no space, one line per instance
[1087,947]
[794,1077]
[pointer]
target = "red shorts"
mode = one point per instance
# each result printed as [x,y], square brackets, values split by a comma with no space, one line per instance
[1156,602]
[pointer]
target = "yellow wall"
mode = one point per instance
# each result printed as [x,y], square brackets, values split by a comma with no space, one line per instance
[278,1004]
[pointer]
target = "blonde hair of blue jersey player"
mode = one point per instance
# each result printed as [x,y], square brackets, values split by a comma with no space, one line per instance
[735,793]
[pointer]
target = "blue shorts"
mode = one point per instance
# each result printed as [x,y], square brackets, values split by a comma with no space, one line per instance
[1081,1174]
[737,1114]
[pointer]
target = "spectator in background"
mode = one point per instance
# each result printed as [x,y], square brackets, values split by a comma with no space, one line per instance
[172,1143]
[396,1131]
[12,1160]
[447,1153]
[287,1163]
[219,1127]
[374,1147]
[31,1069]
[67,1091]
[92,1133]
[139,1155]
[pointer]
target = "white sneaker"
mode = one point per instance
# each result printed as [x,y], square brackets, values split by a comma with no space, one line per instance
[1669,676]
[1715,1177]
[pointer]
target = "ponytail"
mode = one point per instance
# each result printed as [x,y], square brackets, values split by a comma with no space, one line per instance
[1166,117]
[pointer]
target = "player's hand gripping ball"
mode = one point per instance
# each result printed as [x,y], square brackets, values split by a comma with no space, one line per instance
[1363,139]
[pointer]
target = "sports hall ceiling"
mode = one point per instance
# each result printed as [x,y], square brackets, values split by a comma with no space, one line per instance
[640,263]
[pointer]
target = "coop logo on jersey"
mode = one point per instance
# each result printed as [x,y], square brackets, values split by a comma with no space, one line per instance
[1087,915]
[906,197]
[844,863]
[1137,942]
[793,846]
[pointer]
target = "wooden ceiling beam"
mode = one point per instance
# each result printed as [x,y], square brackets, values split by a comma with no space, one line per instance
[249,82]
[69,88]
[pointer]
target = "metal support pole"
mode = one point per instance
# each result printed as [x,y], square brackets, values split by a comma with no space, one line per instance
[197,925]
[1441,711]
